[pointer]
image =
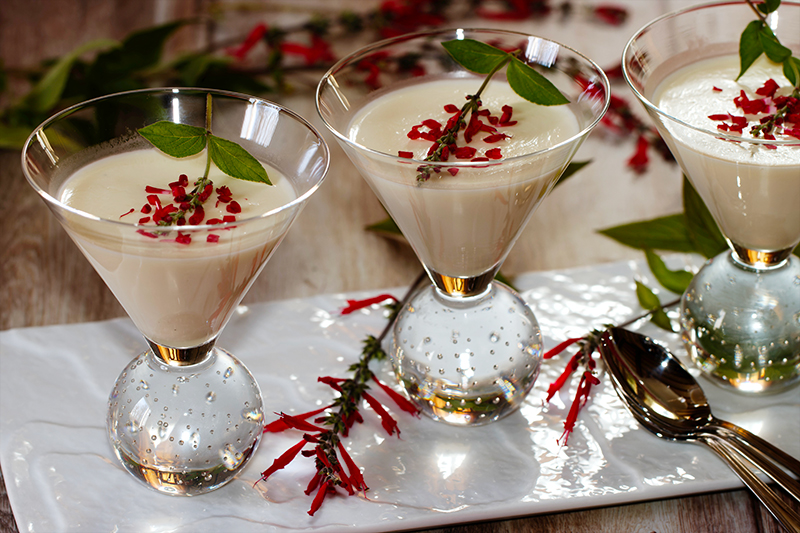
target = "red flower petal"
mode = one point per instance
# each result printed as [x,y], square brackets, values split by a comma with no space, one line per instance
[282,461]
[356,478]
[281,425]
[560,348]
[398,399]
[494,153]
[147,234]
[355,305]
[388,423]
[572,365]
[319,498]
[250,41]
[497,137]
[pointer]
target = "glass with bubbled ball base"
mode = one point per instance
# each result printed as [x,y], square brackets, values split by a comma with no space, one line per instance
[185,416]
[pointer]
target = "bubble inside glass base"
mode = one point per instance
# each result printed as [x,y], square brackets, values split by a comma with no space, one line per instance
[741,326]
[467,361]
[185,430]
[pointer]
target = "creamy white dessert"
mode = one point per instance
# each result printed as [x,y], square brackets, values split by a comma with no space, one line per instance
[461,225]
[178,294]
[752,191]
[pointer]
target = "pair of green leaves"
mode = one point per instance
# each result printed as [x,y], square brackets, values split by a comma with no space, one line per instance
[758,38]
[483,58]
[182,140]
[693,231]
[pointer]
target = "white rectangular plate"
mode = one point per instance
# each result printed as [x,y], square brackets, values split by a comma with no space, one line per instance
[62,475]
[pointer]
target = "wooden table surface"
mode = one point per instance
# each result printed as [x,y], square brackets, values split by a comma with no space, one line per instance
[45,280]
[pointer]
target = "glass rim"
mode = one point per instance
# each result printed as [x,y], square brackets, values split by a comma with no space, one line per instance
[350,58]
[50,199]
[626,53]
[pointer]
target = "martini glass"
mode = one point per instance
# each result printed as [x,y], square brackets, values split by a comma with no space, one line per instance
[185,416]
[465,348]
[740,316]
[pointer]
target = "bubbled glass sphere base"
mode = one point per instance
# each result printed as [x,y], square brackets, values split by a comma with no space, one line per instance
[185,430]
[741,325]
[467,361]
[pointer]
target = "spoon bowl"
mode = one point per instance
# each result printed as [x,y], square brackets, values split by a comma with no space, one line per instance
[667,401]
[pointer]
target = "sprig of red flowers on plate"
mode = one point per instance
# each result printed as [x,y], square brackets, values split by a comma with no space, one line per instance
[322,436]
[323,429]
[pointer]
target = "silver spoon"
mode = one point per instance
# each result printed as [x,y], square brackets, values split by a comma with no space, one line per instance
[667,401]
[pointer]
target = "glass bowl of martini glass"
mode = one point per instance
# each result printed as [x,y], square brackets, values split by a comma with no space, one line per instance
[740,317]
[179,254]
[465,348]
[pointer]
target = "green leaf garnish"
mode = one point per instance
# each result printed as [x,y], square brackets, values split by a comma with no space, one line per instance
[750,47]
[235,161]
[572,168]
[177,140]
[182,140]
[502,278]
[388,228]
[775,50]
[703,230]
[672,280]
[112,71]
[664,233]
[532,86]
[769,6]
[648,300]
[483,58]
[791,69]
[475,56]
[47,92]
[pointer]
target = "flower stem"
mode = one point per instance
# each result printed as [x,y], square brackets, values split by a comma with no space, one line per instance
[472,105]
[673,303]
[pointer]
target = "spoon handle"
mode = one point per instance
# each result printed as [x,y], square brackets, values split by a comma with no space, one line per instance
[754,441]
[784,514]
[762,461]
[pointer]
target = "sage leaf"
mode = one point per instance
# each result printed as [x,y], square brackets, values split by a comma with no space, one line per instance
[571,169]
[665,233]
[140,50]
[13,137]
[672,280]
[660,319]
[235,161]
[388,228]
[703,230]
[504,280]
[475,56]
[532,86]
[769,6]
[750,47]
[48,90]
[791,69]
[774,50]
[649,301]
[177,140]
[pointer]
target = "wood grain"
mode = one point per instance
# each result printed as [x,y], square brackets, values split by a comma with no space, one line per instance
[45,280]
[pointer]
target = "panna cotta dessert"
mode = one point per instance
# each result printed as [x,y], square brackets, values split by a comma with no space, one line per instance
[753,191]
[463,220]
[178,284]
